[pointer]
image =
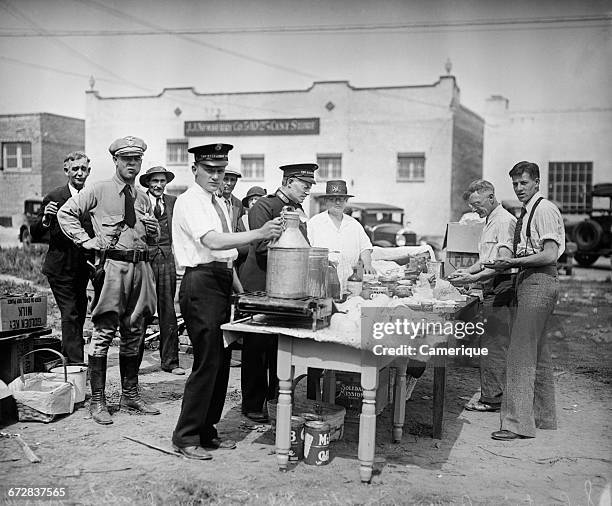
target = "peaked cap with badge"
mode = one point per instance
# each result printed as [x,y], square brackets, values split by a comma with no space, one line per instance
[214,155]
[126,146]
[302,171]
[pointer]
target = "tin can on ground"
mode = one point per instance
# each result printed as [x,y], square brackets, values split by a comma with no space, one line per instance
[296,451]
[316,443]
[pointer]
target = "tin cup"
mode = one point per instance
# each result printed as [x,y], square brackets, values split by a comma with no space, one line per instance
[296,451]
[316,443]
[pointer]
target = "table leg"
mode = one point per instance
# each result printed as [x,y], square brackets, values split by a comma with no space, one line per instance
[367,423]
[285,373]
[439,386]
[399,407]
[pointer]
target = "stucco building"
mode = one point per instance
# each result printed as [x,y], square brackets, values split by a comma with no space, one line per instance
[415,147]
[571,146]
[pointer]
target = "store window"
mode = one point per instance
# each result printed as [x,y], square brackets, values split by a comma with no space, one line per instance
[252,167]
[176,152]
[570,185]
[17,156]
[330,167]
[411,167]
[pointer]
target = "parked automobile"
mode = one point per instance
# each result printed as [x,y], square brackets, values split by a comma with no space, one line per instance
[31,208]
[566,261]
[383,223]
[593,235]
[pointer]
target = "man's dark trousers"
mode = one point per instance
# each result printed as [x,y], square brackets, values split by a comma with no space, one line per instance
[497,311]
[71,297]
[205,305]
[165,282]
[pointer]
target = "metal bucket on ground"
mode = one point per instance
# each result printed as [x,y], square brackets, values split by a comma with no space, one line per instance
[296,452]
[316,443]
[287,273]
[77,375]
[318,260]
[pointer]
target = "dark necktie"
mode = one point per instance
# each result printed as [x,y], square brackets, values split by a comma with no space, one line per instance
[517,231]
[157,209]
[130,213]
[221,215]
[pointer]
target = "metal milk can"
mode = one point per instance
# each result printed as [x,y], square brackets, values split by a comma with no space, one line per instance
[287,272]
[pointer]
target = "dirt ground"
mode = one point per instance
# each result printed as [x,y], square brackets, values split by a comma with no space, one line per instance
[570,466]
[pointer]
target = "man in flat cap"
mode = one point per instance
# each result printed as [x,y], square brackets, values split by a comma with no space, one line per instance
[258,379]
[233,203]
[205,246]
[123,221]
[162,262]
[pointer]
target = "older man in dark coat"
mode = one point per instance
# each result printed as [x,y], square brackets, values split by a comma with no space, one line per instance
[65,264]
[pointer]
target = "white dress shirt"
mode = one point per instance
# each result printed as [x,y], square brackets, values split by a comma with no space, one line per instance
[345,244]
[546,224]
[153,200]
[193,217]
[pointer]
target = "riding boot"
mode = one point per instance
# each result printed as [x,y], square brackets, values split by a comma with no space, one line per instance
[97,404]
[130,397]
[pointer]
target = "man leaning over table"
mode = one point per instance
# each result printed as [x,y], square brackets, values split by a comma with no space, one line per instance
[498,291]
[205,247]
[122,220]
[539,240]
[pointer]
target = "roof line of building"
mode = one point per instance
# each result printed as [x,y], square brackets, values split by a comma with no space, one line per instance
[470,112]
[32,114]
[347,83]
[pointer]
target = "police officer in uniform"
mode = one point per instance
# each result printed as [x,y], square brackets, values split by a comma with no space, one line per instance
[205,247]
[258,376]
[123,221]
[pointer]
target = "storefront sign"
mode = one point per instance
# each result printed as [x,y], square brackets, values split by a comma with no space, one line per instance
[237,127]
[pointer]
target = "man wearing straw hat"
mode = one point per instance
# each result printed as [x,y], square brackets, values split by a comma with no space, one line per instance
[162,262]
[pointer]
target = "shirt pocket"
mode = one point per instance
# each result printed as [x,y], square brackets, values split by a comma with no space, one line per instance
[111,225]
[489,250]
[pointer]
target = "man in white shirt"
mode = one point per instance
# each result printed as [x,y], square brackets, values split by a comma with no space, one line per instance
[205,247]
[342,234]
[539,240]
[497,288]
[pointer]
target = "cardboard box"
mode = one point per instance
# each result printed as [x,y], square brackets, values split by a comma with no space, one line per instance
[461,243]
[349,393]
[23,312]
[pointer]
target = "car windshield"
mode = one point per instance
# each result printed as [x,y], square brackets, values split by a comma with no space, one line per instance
[375,218]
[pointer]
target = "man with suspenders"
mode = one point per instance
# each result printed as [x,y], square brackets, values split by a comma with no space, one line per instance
[539,240]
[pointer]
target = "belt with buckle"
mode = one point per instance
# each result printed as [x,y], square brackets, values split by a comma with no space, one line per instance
[218,264]
[128,255]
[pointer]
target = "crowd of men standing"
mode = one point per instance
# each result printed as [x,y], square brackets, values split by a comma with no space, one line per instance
[132,244]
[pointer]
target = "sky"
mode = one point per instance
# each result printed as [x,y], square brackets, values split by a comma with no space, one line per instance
[540,54]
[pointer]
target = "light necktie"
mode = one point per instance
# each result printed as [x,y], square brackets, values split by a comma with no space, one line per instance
[157,209]
[517,231]
[221,215]
[130,213]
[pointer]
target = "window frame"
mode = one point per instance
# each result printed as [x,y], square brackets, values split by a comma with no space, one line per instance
[410,155]
[245,174]
[328,156]
[18,157]
[184,142]
[570,185]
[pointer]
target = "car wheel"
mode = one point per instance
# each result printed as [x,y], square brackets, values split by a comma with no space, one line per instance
[586,259]
[25,238]
[587,234]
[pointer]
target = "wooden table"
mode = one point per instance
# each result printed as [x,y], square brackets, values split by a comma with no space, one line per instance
[307,352]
